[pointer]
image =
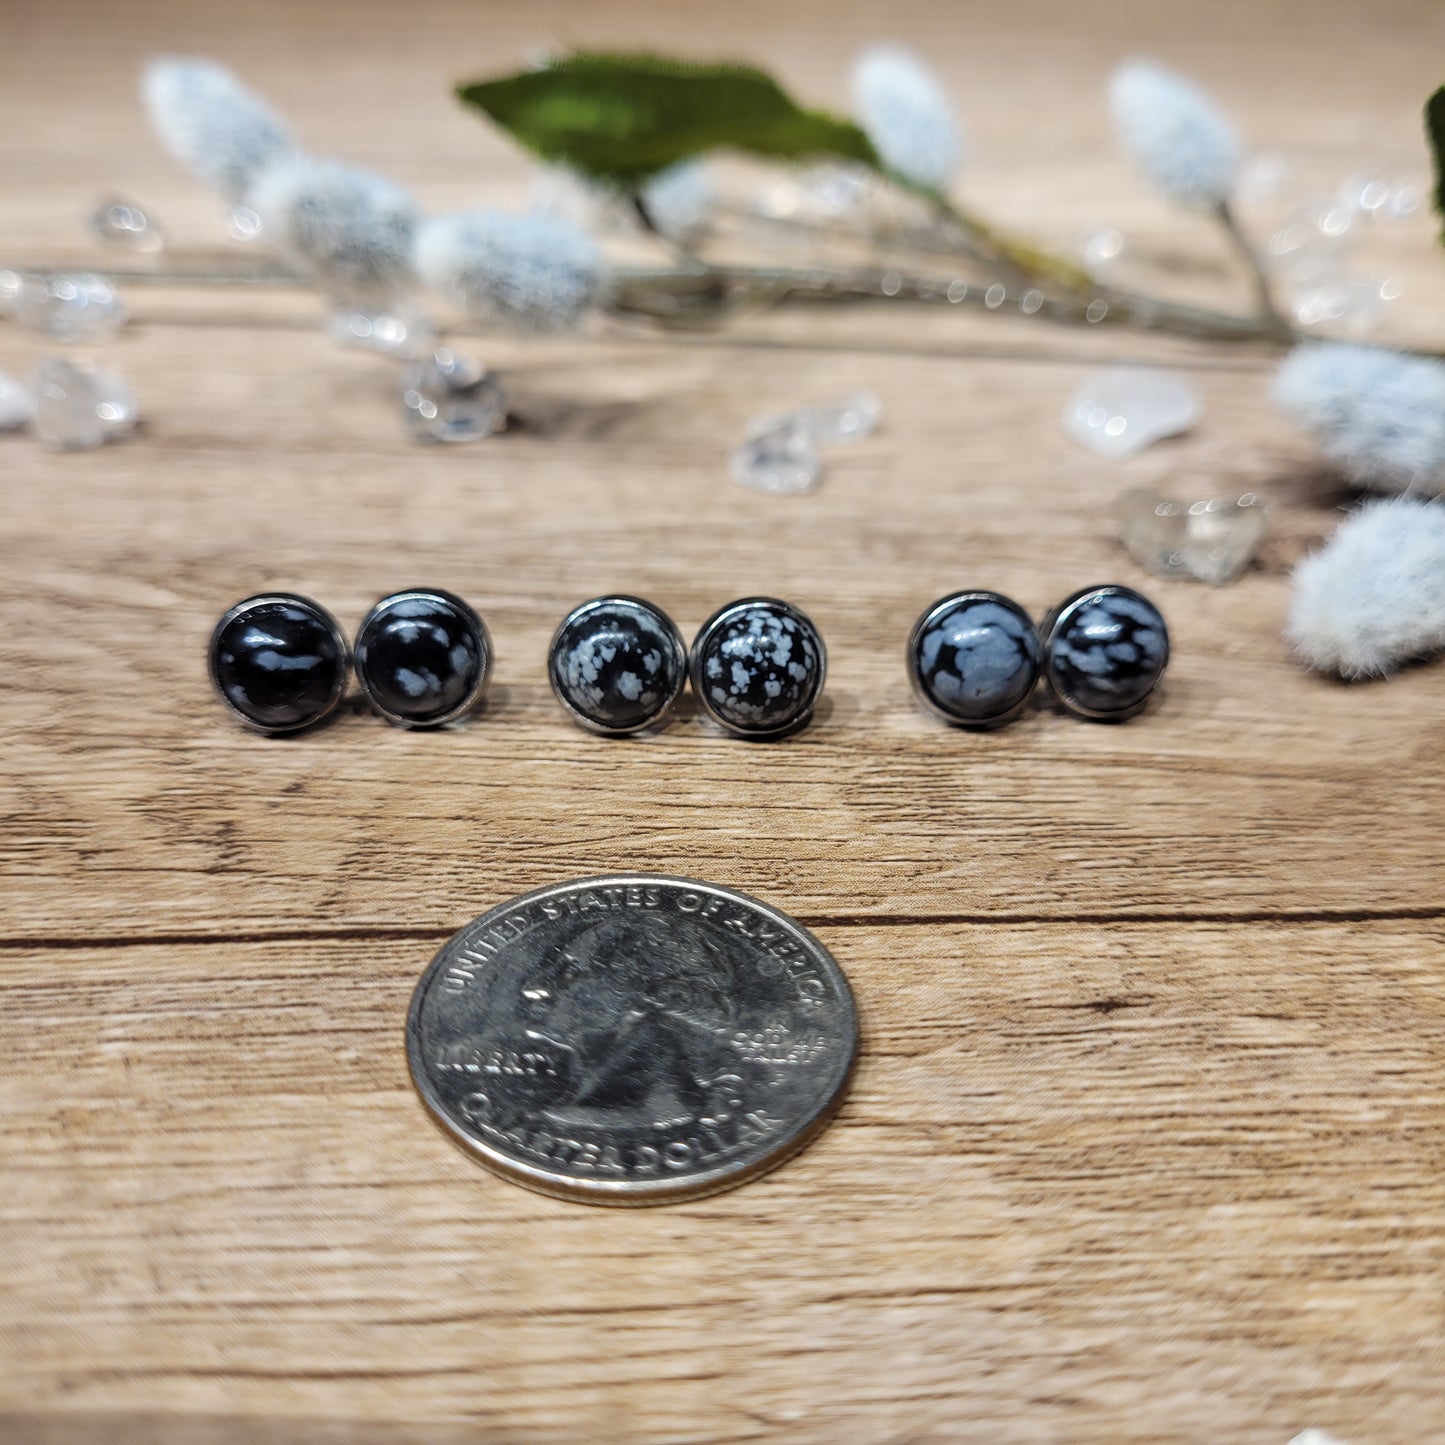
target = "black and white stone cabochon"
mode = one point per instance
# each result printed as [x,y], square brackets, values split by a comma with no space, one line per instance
[618,663]
[1105,650]
[757,666]
[974,657]
[422,656]
[279,660]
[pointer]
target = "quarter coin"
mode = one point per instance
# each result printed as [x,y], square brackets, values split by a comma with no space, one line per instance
[632,1039]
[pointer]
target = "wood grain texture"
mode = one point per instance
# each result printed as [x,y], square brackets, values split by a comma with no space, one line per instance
[1148,1138]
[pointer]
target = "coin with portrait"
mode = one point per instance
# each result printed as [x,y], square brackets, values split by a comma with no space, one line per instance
[632,1039]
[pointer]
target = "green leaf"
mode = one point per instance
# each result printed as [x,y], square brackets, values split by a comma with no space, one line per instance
[1435,125]
[623,118]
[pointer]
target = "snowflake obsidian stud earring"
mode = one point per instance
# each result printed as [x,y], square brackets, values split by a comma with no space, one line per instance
[617,664]
[757,667]
[278,661]
[973,659]
[1105,649]
[423,657]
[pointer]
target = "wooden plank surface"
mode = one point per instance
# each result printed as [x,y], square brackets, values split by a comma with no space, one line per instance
[1148,1139]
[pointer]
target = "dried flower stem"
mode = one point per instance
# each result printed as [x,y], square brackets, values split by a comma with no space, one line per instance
[1269,313]
[688,296]
[1021,264]
[701,293]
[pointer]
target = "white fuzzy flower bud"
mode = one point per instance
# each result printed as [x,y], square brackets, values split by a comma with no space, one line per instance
[1174,133]
[350,229]
[906,113]
[1378,415]
[222,133]
[538,272]
[1374,596]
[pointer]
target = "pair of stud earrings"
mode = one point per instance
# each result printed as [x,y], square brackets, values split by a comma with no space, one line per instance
[617,664]
[975,657]
[280,662]
[423,657]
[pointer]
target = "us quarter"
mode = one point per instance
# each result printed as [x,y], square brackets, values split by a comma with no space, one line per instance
[632,1039]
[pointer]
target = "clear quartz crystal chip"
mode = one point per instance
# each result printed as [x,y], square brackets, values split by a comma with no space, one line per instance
[402,331]
[78,405]
[1118,412]
[121,224]
[17,406]
[449,398]
[780,453]
[781,460]
[79,307]
[1211,541]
